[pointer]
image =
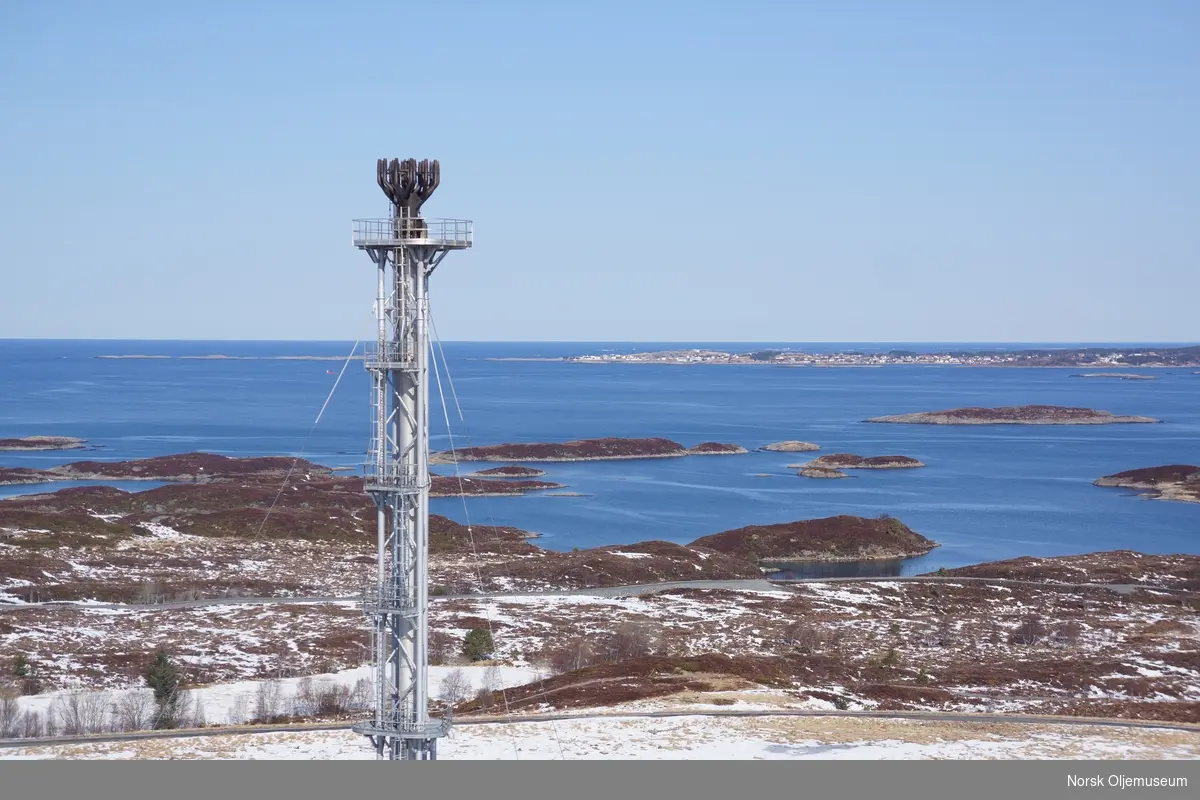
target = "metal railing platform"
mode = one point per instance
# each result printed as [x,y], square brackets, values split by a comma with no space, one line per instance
[378,599]
[389,357]
[392,478]
[444,234]
[434,729]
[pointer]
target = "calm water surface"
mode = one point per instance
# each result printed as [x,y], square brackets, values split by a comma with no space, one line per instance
[987,492]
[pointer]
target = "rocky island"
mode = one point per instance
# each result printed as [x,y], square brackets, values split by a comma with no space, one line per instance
[449,486]
[807,471]
[840,538]
[716,449]
[608,449]
[188,467]
[42,443]
[511,471]
[209,468]
[838,461]
[1171,482]
[1120,376]
[790,446]
[1013,415]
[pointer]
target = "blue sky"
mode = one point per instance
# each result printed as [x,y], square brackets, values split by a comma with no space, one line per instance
[851,171]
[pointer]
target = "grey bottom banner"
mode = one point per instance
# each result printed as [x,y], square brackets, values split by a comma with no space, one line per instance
[661,780]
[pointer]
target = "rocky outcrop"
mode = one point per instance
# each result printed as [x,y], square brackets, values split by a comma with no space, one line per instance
[790,446]
[1113,566]
[238,474]
[610,449]
[716,449]
[334,508]
[841,538]
[511,471]
[1013,415]
[1171,482]
[449,486]
[190,468]
[1121,376]
[577,450]
[42,443]
[852,461]
[821,472]
[17,476]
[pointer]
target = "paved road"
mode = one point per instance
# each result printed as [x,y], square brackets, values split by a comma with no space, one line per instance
[752,584]
[1015,719]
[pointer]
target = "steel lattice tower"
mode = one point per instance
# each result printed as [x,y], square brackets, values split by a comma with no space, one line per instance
[406,249]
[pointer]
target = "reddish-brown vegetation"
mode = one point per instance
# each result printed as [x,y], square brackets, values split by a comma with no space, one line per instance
[1114,566]
[651,562]
[852,461]
[790,446]
[512,471]
[447,486]
[42,443]
[821,472]
[841,538]
[716,448]
[1148,476]
[578,450]
[931,645]
[1013,415]
[199,467]
[331,515]
[636,679]
[12,476]
[1171,482]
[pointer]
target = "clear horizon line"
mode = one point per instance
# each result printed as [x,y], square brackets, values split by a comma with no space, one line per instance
[633,341]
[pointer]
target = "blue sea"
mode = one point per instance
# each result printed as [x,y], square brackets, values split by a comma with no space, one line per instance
[987,493]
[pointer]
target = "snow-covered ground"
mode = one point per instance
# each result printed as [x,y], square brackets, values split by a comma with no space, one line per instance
[234,703]
[691,737]
[612,734]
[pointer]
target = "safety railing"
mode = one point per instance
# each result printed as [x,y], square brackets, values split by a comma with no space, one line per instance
[387,599]
[391,356]
[435,728]
[392,477]
[394,232]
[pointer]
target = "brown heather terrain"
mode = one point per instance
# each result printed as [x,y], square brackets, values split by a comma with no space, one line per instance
[851,461]
[1029,635]
[716,449]
[449,486]
[941,645]
[821,472]
[511,471]
[316,537]
[790,446]
[583,450]
[1180,572]
[578,450]
[1172,482]
[217,539]
[1013,415]
[15,476]
[841,538]
[198,467]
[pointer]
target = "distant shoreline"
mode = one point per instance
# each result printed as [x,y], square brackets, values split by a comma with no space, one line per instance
[1119,357]
[575,360]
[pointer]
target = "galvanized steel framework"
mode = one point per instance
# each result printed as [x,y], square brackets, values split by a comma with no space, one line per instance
[405,249]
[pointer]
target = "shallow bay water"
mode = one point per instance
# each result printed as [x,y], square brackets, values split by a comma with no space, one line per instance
[988,492]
